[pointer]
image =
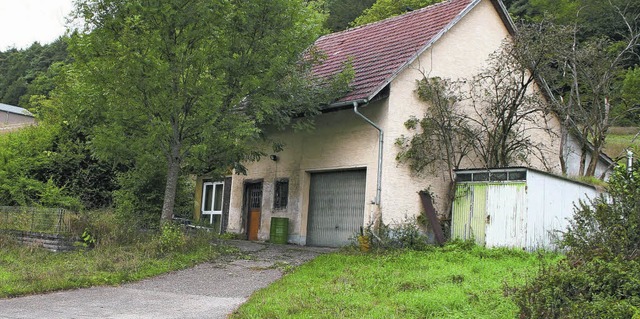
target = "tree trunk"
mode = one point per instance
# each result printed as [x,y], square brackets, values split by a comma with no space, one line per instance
[593,163]
[171,187]
[564,135]
[583,159]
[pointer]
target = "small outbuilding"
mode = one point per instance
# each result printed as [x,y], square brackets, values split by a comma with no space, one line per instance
[13,117]
[514,207]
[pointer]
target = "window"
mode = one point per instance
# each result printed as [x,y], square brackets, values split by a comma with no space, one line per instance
[490,176]
[480,177]
[518,176]
[212,193]
[281,194]
[500,176]
[463,177]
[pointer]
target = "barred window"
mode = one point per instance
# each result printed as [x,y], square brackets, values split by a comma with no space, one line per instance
[281,194]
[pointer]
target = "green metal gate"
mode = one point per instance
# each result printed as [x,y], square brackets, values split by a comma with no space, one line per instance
[493,213]
[469,213]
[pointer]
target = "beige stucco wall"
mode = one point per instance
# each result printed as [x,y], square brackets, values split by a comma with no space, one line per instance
[340,141]
[460,53]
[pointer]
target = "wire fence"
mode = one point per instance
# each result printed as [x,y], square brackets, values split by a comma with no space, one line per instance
[56,221]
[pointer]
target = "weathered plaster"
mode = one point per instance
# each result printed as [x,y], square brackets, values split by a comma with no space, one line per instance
[340,141]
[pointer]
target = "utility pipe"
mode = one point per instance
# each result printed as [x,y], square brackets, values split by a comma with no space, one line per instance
[380,142]
[629,161]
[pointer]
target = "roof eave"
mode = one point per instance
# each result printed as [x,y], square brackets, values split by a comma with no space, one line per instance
[341,104]
[505,16]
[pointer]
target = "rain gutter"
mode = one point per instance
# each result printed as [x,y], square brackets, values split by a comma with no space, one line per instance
[380,143]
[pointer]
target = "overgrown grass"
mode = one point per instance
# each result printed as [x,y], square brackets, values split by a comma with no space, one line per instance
[27,270]
[456,281]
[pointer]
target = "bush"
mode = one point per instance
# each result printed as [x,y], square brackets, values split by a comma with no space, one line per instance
[600,278]
[608,227]
[595,289]
[403,235]
[141,193]
[171,238]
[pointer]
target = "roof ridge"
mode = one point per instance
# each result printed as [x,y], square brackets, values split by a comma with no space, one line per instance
[396,17]
[381,49]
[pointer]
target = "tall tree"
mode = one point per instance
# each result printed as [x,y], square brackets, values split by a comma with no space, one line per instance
[188,82]
[443,137]
[342,13]
[585,82]
[383,9]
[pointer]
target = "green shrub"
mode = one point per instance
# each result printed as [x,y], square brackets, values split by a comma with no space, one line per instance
[595,289]
[51,165]
[600,278]
[403,235]
[608,226]
[171,238]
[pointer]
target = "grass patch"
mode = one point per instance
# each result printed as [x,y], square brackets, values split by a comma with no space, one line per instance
[619,139]
[448,282]
[27,270]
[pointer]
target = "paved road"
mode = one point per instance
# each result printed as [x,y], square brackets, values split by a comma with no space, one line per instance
[209,290]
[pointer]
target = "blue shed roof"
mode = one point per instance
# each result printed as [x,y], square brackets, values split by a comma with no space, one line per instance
[15,110]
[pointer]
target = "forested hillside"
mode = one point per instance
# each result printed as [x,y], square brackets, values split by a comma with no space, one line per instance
[24,73]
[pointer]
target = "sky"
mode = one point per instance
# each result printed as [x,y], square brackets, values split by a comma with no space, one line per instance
[24,21]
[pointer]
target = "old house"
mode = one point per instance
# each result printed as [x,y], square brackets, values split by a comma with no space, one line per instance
[341,176]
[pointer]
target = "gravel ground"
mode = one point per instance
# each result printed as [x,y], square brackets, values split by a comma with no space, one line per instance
[208,290]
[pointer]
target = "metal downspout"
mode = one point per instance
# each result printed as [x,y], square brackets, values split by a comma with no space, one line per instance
[380,142]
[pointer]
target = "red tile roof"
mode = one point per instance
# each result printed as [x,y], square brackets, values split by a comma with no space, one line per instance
[378,51]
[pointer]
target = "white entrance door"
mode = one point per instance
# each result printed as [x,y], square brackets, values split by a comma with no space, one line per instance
[211,211]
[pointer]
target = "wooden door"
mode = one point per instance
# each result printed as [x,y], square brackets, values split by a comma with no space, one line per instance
[254,203]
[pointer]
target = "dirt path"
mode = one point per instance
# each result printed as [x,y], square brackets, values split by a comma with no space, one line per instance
[208,290]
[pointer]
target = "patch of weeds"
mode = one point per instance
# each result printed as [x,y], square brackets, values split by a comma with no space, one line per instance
[227,250]
[405,234]
[113,261]
[457,279]
[245,256]
[171,238]
[232,236]
[284,266]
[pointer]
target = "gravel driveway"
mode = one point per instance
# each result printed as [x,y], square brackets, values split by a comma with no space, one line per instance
[208,290]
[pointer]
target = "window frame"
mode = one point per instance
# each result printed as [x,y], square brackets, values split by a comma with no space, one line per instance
[211,213]
[277,197]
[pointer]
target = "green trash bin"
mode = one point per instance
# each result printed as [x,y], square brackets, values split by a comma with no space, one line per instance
[279,230]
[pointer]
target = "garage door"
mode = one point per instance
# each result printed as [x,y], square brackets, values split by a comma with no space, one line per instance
[336,207]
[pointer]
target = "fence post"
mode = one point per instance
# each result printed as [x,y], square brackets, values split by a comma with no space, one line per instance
[33,218]
[59,221]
